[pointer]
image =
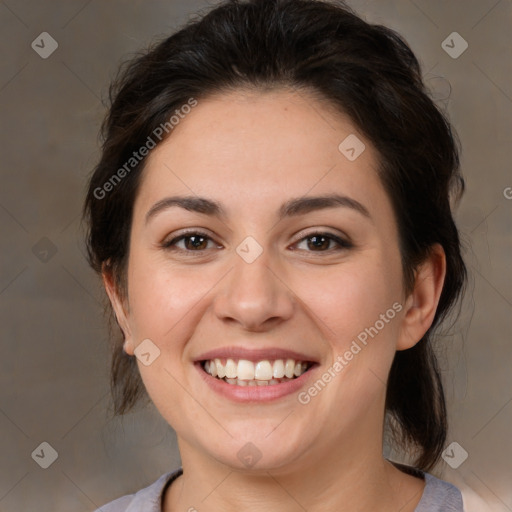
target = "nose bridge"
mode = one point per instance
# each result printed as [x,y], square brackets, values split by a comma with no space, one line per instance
[253,293]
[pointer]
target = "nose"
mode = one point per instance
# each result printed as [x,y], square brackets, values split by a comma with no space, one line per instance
[254,295]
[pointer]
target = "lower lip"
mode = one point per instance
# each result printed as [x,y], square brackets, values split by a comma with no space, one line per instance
[255,393]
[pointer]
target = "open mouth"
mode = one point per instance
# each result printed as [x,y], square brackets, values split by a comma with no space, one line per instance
[242,372]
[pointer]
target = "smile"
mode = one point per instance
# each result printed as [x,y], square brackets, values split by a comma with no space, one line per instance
[243,372]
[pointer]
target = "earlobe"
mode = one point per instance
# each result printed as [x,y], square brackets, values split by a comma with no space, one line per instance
[421,304]
[119,307]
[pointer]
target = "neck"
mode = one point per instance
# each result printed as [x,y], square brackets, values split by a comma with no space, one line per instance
[351,477]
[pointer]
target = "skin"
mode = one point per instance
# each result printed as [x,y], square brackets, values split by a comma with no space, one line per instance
[251,151]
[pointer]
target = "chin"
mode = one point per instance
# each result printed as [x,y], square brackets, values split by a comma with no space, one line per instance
[257,453]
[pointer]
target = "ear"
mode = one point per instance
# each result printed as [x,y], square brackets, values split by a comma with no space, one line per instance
[120,308]
[421,304]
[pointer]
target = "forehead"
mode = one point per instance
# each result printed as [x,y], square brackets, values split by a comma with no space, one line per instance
[253,146]
[240,124]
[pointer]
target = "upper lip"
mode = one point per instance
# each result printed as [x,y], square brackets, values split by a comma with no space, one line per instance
[254,355]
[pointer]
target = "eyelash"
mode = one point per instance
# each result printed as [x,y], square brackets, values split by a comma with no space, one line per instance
[342,244]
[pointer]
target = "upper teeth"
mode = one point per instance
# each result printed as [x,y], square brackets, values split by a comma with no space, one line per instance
[260,370]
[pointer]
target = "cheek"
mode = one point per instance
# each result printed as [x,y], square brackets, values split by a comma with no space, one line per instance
[361,310]
[362,313]
[163,308]
[161,297]
[355,297]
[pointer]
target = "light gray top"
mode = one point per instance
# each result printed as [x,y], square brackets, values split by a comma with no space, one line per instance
[438,496]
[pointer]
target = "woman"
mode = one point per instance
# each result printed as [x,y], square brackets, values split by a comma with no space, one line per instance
[271,219]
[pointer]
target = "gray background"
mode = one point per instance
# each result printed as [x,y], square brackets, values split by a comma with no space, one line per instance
[54,364]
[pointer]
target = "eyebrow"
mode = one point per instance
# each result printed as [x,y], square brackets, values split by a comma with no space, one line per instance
[293,207]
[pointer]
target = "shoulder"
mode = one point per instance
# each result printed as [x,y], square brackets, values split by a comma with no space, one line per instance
[439,496]
[147,499]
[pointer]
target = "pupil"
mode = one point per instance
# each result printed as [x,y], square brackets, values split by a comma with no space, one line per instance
[319,241]
[199,240]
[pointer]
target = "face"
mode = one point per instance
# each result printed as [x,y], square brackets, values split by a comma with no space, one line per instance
[259,272]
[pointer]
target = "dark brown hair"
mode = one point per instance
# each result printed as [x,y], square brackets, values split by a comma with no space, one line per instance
[365,71]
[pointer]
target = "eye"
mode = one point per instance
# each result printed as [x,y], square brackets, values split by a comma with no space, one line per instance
[193,241]
[197,241]
[323,241]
